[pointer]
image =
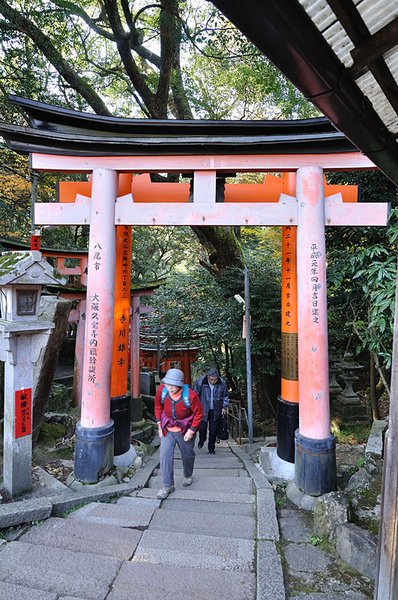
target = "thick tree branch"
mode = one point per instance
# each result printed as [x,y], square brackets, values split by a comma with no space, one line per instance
[25,26]
[168,45]
[76,10]
[132,70]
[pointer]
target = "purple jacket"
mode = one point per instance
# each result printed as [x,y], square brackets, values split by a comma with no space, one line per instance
[184,424]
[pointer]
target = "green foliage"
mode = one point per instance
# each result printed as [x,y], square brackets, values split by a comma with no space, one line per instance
[351,434]
[362,275]
[193,305]
[315,540]
[158,250]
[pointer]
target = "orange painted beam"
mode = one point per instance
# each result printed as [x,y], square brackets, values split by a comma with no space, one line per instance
[143,190]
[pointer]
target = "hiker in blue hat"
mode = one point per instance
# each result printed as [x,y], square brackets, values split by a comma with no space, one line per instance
[178,412]
[213,394]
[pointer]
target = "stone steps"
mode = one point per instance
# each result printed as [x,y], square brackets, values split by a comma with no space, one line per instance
[198,542]
[236,485]
[189,494]
[139,581]
[195,551]
[213,508]
[56,570]
[226,526]
[79,535]
[119,515]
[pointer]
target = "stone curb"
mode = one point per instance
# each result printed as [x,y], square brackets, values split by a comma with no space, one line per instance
[270,584]
[24,511]
[37,509]
[259,479]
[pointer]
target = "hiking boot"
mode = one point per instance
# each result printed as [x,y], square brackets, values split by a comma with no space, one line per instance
[212,452]
[200,445]
[187,481]
[164,492]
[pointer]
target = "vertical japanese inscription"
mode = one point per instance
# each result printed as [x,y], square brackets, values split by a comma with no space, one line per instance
[315,255]
[122,334]
[23,412]
[93,338]
[289,354]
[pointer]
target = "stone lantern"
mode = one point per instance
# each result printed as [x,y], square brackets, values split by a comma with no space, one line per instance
[22,337]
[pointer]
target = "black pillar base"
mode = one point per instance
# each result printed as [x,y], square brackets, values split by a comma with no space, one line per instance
[315,469]
[136,409]
[287,423]
[120,413]
[93,452]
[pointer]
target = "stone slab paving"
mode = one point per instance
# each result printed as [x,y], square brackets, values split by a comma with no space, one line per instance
[188,494]
[136,581]
[82,536]
[228,526]
[210,472]
[9,591]
[267,523]
[24,512]
[195,551]
[270,584]
[134,502]
[117,515]
[209,484]
[332,596]
[59,571]
[294,526]
[304,557]
[203,540]
[214,508]
[213,462]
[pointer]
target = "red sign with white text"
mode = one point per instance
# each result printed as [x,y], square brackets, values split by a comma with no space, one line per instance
[23,412]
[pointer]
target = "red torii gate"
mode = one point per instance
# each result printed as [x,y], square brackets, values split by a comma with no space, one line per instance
[206,150]
[310,213]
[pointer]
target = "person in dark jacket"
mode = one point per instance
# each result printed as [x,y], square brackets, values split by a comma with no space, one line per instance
[178,412]
[213,394]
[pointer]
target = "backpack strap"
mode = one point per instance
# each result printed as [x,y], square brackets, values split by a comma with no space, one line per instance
[185,395]
[164,394]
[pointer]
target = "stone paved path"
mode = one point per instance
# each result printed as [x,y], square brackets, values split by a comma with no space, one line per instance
[216,538]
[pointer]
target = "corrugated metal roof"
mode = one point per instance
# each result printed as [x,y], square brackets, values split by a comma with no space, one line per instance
[343,56]
[375,15]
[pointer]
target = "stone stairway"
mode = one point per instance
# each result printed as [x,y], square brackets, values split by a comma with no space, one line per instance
[202,541]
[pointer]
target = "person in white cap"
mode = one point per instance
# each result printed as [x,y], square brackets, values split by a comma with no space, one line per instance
[178,412]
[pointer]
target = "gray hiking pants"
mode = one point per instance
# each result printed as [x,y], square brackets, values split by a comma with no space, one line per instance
[167,445]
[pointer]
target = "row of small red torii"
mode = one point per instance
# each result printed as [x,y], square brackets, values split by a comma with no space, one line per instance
[113,209]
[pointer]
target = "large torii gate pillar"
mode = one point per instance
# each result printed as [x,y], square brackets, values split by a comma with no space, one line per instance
[315,464]
[94,431]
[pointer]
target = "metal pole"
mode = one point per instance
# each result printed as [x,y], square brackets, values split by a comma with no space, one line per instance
[248,356]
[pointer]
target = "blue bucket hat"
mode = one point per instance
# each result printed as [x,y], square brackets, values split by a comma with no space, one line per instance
[174,377]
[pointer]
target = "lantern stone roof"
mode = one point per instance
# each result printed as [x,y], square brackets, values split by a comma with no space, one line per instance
[56,130]
[27,268]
